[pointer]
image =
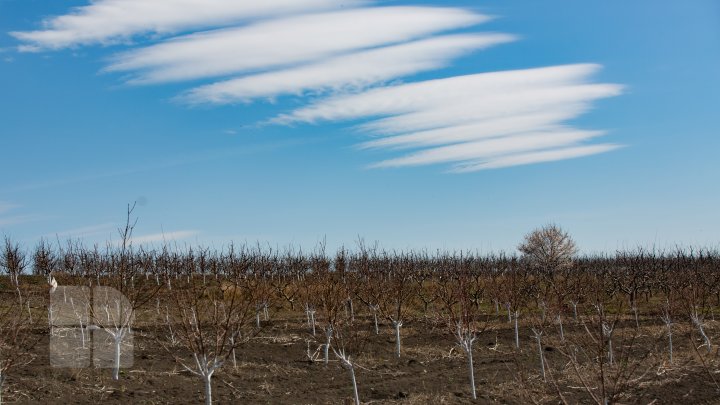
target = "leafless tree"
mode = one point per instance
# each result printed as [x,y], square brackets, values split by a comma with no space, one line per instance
[548,248]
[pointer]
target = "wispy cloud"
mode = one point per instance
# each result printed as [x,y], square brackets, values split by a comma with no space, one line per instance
[520,111]
[349,55]
[493,147]
[163,237]
[356,70]
[181,160]
[106,229]
[14,219]
[285,41]
[6,206]
[536,157]
[18,219]
[113,21]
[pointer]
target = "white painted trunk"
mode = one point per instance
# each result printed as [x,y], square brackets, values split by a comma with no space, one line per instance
[354,383]
[471,369]
[397,337]
[542,359]
[116,359]
[328,337]
[562,332]
[208,389]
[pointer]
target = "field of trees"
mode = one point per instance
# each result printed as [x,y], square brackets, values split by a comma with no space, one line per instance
[249,324]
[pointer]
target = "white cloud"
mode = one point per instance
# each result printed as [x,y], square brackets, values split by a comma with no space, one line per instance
[500,126]
[536,157]
[6,221]
[466,118]
[433,94]
[492,147]
[286,41]
[356,70]
[113,21]
[337,50]
[6,206]
[106,229]
[18,219]
[163,237]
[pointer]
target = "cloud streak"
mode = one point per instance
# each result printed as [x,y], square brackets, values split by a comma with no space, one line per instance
[348,57]
[106,229]
[285,41]
[6,206]
[472,118]
[163,237]
[536,157]
[115,21]
[356,70]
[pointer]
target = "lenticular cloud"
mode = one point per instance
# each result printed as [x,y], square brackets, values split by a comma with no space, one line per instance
[349,57]
[475,122]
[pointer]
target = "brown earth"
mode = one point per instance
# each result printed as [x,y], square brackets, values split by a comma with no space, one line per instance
[273,368]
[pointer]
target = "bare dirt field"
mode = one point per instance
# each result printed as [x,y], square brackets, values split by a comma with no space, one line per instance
[274,368]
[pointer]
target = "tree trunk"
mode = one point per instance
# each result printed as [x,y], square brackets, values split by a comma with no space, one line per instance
[472,371]
[397,325]
[116,360]
[542,360]
[208,389]
[328,337]
[670,343]
[354,383]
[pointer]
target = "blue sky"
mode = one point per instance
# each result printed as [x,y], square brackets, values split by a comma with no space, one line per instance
[420,125]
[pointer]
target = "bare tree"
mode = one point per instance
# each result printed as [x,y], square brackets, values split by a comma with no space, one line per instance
[210,327]
[13,262]
[548,249]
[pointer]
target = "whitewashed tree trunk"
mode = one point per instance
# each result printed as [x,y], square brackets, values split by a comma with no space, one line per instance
[117,336]
[208,389]
[466,339]
[538,336]
[312,321]
[328,338]
[562,332]
[205,370]
[668,323]
[697,320]
[397,325]
[607,332]
[2,383]
[517,332]
[347,364]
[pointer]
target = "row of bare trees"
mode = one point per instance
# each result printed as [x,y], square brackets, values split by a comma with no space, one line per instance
[204,304]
